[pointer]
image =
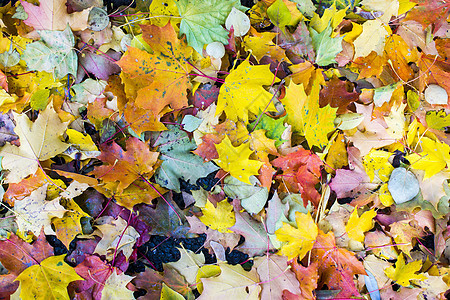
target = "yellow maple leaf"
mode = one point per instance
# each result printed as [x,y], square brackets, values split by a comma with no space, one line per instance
[433,158]
[356,226]
[377,165]
[41,141]
[260,44]
[330,14]
[235,160]
[47,280]
[299,240]
[218,218]
[243,92]
[403,273]
[305,115]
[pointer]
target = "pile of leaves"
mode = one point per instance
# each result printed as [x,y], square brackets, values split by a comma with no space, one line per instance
[203,149]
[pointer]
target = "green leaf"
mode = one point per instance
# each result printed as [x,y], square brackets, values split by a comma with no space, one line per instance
[39,100]
[178,161]
[413,100]
[325,46]
[437,119]
[10,58]
[202,21]
[253,196]
[274,128]
[279,14]
[53,53]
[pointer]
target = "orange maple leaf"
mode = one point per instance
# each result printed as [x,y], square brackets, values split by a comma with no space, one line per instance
[126,166]
[162,77]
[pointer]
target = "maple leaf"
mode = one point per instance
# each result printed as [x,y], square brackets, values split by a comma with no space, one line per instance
[252,197]
[52,15]
[115,286]
[152,282]
[429,12]
[308,277]
[338,93]
[372,38]
[274,127]
[311,121]
[126,166]
[336,266]
[356,226]
[403,273]
[17,255]
[235,160]
[274,272]
[35,212]
[47,280]
[160,78]
[325,46]
[233,282]
[434,157]
[299,240]
[53,53]
[95,272]
[257,241]
[202,20]
[68,227]
[243,92]
[177,160]
[301,171]
[219,218]
[116,236]
[39,141]
[189,264]
[370,65]
[437,119]
[261,45]
[166,219]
